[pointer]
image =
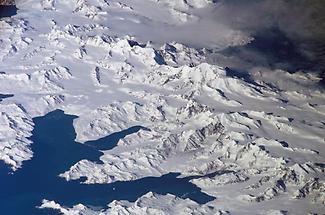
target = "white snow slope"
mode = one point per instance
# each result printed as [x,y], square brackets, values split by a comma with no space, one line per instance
[76,55]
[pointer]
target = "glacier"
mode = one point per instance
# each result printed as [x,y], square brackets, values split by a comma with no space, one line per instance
[121,63]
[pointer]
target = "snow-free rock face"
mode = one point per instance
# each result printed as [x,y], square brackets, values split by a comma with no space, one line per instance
[7,2]
[262,139]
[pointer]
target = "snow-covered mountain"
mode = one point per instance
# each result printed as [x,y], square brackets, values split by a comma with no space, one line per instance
[121,63]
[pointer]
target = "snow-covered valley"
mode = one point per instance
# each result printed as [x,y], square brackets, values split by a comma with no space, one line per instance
[118,64]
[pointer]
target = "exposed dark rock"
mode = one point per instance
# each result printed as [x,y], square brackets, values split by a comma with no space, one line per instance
[7,2]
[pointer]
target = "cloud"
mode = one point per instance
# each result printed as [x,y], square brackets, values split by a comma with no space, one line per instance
[303,19]
[288,34]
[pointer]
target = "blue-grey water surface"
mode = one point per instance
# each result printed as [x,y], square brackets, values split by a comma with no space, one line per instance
[7,10]
[55,151]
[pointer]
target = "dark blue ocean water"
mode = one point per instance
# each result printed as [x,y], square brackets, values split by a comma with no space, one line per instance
[55,150]
[7,10]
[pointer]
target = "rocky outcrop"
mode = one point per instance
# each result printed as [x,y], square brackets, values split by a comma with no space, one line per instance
[7,2]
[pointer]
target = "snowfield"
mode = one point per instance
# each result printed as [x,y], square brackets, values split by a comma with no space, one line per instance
[99,60]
